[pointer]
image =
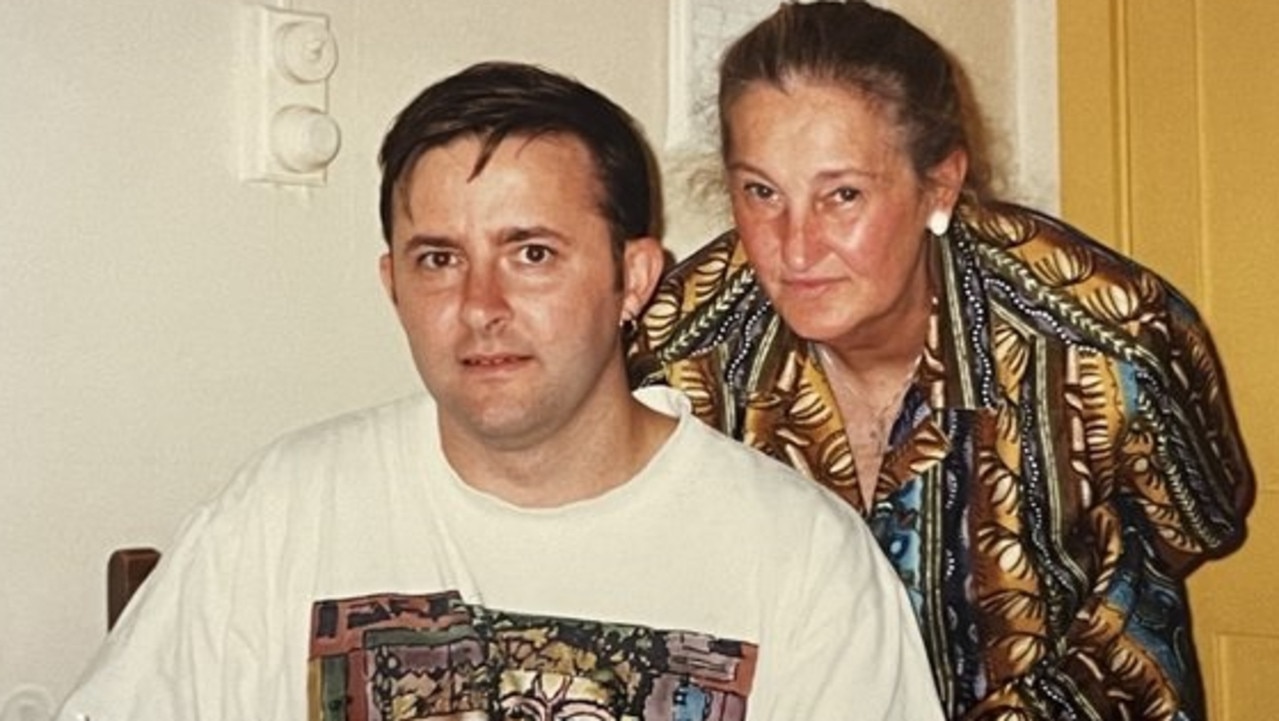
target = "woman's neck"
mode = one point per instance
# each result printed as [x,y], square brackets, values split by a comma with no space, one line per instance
[870,384]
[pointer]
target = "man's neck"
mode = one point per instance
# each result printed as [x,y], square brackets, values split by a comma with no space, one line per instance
[597,453]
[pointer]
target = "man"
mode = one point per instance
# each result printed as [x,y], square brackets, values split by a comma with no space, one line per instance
[527,540]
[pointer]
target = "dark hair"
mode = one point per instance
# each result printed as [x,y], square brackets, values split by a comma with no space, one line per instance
[496,100]
[872,51]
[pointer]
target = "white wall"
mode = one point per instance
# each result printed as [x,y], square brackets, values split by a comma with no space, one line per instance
[159,319]
[1008,49]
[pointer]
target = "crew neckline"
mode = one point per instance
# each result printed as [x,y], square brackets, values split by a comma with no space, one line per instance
[444,482]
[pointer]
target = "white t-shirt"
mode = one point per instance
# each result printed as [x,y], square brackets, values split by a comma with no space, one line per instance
[347,570]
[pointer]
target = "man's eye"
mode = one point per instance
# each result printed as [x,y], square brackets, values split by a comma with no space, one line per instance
[845,194]
[535,254]
[435,259]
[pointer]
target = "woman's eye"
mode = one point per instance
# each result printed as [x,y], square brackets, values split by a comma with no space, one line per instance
[758,191]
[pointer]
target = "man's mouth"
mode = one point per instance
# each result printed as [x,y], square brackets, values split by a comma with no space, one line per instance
[493,361]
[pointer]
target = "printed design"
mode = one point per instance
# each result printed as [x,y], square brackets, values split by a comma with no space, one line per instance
[411,658]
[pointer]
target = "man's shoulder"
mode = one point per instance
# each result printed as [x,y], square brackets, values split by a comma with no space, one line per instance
[730,470]
[363,423]
[355,438]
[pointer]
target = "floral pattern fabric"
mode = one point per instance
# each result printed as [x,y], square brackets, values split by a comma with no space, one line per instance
[1065,456]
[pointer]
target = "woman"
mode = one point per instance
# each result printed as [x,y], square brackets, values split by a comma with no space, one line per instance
[1036,428]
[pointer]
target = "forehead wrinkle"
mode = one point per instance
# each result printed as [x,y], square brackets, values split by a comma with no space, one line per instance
[822,176]
[834,174]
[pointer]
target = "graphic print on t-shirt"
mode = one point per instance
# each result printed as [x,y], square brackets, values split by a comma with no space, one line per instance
[402,658]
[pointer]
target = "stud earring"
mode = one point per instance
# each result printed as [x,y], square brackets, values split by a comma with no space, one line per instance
[938,222]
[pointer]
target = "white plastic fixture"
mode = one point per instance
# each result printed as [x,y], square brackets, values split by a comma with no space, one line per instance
[27,703]
[290,138]
[304,140]
[306,51]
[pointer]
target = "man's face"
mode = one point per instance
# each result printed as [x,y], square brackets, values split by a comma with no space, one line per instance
[506,287]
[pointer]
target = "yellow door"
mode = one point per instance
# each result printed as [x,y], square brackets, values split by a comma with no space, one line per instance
[1170,152]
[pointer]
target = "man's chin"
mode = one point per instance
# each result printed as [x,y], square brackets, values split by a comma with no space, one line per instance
[501,425]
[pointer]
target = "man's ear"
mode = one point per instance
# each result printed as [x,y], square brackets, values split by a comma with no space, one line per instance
[386,268]
[642,265]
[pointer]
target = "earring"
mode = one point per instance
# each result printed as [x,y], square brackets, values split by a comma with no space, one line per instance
[939,222]
[627,324]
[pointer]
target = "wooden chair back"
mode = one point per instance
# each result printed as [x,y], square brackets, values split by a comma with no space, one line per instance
[126,570]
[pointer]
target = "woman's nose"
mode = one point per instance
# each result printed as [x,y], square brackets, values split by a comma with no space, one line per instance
[801,245]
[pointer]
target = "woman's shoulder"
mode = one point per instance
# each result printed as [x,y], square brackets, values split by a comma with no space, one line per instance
[1067,282]
[1056,253]
[709,296]
[719,257]
[717,268]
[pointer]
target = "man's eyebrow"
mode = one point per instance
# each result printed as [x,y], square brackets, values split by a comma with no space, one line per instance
[528,232]
[425,239]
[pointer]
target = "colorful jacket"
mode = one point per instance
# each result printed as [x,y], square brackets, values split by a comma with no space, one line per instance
[1066,455]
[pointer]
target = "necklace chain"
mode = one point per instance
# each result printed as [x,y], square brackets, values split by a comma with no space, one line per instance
[882,418]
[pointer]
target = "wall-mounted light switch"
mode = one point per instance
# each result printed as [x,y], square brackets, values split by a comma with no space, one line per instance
[289,138]
[305,50]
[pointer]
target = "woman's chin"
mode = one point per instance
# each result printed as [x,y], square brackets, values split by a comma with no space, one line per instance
[817,326]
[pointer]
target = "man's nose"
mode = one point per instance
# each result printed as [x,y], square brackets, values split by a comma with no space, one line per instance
[484,302]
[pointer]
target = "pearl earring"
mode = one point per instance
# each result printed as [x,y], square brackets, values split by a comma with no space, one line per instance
[938,222]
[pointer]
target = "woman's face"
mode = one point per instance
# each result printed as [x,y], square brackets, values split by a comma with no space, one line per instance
[830,210]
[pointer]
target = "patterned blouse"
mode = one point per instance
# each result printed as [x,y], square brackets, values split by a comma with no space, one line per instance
[1066,455]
